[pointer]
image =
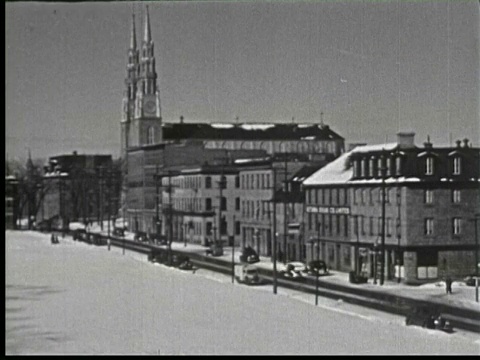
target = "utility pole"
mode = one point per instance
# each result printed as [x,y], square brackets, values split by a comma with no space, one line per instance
[274,233]
[382,257]
[221,184]
[109,184]
[233,251]
[317,269]
[285,251]
[357,260]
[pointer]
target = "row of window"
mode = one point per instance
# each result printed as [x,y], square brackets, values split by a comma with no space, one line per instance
[255,181]
[428,196]
[373,226]
[378,167]
[327,196]
[456,226]
[256,209]
[368,196]
[328,224]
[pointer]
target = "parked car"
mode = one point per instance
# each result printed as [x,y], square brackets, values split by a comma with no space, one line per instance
[216,249]
[248,274]
[158,256]
[294,270]
[470,280]
[315,266]
[249,256]
[428,317]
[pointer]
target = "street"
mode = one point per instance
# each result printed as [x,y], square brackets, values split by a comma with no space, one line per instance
[74,298]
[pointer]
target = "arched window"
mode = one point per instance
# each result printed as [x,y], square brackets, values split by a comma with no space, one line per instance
[151,135]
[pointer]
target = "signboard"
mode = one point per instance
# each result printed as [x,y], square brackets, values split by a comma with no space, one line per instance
[328,209]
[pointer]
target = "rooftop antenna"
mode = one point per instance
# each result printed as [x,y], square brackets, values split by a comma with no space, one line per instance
[321,119]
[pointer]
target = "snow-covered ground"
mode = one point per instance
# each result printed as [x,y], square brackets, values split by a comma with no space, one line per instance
[75,298]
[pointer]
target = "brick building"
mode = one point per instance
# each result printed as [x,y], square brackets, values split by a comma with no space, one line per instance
[78,188]
[417,201]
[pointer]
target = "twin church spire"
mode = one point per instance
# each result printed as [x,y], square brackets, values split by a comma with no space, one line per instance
[141,120]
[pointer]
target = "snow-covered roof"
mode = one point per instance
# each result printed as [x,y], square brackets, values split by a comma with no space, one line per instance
[339,171]
[336,172]
[257,126]
[222,126]
[250,160]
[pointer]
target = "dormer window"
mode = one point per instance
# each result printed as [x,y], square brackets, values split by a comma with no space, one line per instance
[379,167]
[356,168]
[457,165]
[363,168]
[398,165]
[370,167]
[388,167]
[429,165]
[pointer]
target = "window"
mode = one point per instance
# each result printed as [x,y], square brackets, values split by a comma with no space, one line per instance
[428,197]
[346,255]
[371,226]
[389,227]
[364,196]
[237,227]
[362,224]
[389,167]
[334,196]
[363,168]
[370,167]
[337,217]
[457,226]
[398,166]
[371,196]
[208,204]
[310,221]
[456,196]
[237,203]
[429,166]
[237,182]
[429,226]
[223,182]
[208,182]
[151,135]
[345,225]
[320,196]
[209,228]
[356,168]
[379,226]
[354,191]
[457,161]
[380,167]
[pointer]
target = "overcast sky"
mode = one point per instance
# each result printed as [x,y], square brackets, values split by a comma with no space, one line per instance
[372,67]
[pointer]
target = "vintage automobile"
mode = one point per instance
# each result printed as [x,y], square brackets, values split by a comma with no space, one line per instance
[315,266]
[294,270]
[215,249]
[158,256]
[248,274]
[470,280]
[428,317]
[249,256]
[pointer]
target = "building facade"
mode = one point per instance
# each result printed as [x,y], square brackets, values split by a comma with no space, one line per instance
[409,208]
[78,188]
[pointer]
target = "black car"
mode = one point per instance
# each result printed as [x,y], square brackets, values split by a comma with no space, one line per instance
[315,266]
[428,317]
[470,280]
[249,256]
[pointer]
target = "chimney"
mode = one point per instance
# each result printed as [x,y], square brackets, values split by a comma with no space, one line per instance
[181,119]
[459,142]
[405,140]
[465,143]
[427,144]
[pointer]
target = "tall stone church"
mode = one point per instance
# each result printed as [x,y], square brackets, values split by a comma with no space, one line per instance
[141,121]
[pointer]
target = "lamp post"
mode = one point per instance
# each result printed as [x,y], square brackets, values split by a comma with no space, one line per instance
[233,251]
[318,268]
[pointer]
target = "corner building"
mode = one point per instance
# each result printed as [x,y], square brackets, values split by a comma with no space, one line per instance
[417,204]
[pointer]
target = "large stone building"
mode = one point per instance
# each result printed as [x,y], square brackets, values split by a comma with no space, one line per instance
[150,145]
[415,203]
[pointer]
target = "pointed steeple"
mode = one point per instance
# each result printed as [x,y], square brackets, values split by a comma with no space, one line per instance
[133,39]
[148,34]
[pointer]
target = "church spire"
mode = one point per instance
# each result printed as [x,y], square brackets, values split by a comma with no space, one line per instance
[148,33]
[133,38]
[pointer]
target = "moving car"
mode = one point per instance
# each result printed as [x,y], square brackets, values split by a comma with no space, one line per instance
[294,270]
[428,317]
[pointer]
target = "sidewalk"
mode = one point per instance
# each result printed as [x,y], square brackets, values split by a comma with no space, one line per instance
[463,296]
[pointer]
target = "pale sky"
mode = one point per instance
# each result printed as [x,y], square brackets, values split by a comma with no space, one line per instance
[372,67]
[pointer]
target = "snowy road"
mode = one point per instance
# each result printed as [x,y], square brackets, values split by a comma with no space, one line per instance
[75,298]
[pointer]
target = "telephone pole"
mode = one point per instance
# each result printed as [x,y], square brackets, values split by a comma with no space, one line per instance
[382,257]
[274,233]
[285,252]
